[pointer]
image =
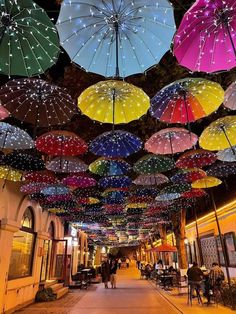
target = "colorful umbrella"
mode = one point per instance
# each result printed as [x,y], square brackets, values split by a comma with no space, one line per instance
[222,169]
[188,175]
[116,38]
[29,41]
[24,162]
[79,181]
[193,194]
[34,187]
[55,190]
[115,144]
[151,164]
[230,97]
[66,164]
[59,198]
[3,113]
[196,158]
[109,167]
[89,192]
[205,183]
[61,143]
[220,134]
[115,182]
[88,201]
[41,176]
[165,248]
[151,179]
[37,102]
[176,188]
[12,137]
[187,100]
[10,174]
[145,191]
[171,141]
[114,102]
[205,40]
[228,154]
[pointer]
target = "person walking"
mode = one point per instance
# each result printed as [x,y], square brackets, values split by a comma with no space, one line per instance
[119,263]
[105,272]
[113,269]
[127,262]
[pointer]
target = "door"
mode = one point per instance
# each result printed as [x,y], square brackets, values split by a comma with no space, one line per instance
[47,246]
[58,260]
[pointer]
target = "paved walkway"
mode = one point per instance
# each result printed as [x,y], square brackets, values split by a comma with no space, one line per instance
[132,296]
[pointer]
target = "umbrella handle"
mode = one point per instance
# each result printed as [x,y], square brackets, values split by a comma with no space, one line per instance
[186,109]
[116,26]
[227,138]
[230,37]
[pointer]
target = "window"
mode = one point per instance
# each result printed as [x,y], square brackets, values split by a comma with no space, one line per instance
[23,248]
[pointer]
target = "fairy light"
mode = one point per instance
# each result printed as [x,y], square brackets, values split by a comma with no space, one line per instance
[176,103]
[151,164]
[9,174]
[66,164]
[171,141]
[37,102]
[12,137]
[115,143]
[28,26]
[23,161]
[113,102]
[144,34]
[115,182]
[211,27]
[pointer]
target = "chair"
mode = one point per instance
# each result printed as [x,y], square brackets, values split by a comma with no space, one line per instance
[194,286]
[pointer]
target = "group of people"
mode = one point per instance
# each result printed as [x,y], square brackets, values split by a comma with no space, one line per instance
[213,280]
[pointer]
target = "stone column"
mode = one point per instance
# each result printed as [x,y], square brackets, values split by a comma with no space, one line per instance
[7,230]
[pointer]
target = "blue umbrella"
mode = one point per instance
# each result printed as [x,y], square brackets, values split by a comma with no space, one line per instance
[115,182]
[116,38]
[55,190]
[116,143]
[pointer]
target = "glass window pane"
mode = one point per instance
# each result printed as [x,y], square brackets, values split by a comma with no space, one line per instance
[27,219]
[22,255]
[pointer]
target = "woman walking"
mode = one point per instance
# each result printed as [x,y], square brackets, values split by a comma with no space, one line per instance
[105,272]
[113,270]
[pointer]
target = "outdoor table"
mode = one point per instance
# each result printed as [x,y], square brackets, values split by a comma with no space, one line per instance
[166,280]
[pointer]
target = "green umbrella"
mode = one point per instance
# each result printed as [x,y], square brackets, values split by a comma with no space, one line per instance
[29,43]
[151,164]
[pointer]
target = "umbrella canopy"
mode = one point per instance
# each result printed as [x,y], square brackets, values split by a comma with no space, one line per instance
[55,189]
[115,182]
[205,183]
[12,137]
[171,141]
[3,113]
[116,38]
[116,143]
[230,97]
[196,158]
[61,143]
[151,179]
[145,191]
[151,164]
[222,169]
[79,181]
[37,101]
[66,164]
[109,167]
[193,194]
[220,134]
[29,41]
[34,188]
[113,102]
[23,161]
[228,154]
[188,175]
[41,176]
[187,100]
[10,174]
[164,248]
[173,192]
[205,40]
[89,192]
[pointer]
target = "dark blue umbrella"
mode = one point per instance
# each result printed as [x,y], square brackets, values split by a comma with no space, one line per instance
[116,143]
[115,182]
[23,161]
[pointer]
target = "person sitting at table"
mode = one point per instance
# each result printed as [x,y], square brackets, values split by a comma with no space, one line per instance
[159,267]
[195,276]
[215,278]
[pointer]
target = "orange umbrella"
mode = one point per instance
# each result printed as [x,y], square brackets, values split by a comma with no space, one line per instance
[164,248]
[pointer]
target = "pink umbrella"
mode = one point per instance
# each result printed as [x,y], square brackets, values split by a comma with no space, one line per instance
[230,97]
[205,40]
[171,141]
[59,198]
[3,113]
[151,179]
[79,181]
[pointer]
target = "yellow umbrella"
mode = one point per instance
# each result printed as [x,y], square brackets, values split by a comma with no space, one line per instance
[113,102]
[136,205]
[206,183]
[10,174]
[220,134]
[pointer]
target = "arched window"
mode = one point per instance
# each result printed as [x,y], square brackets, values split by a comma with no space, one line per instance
[51,230]
[23,247]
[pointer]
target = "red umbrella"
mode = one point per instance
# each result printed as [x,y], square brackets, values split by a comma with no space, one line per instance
[194,193]
[188,175]
[171,141]
[80,180]
[41,176]
[61,143]
[164,248]
[196,158]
